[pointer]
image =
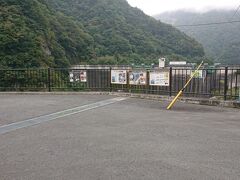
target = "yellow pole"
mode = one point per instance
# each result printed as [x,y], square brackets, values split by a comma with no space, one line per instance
[181,91]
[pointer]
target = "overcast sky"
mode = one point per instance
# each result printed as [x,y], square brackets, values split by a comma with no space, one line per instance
[153,7]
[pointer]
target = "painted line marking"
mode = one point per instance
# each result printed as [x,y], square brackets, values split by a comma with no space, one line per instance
[41,119]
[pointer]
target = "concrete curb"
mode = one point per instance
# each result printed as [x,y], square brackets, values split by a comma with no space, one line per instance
[199,101]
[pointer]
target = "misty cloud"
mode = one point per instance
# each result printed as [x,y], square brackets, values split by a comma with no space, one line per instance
[153,7]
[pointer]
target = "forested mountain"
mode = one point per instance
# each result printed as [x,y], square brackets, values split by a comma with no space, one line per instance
[32,35]
[221,42]
[57,33]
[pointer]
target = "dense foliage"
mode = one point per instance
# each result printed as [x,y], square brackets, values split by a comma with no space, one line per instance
[221,42]
[58,33]
[32,35]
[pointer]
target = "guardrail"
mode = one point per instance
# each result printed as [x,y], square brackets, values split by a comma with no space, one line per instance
[219,82]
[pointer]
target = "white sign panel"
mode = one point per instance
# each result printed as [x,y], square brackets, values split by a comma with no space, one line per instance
[78,76]
[83,76]
[159,78]
[118,76]
[71,76]
[137,77]
[162,62]
[199,74]
[177,62]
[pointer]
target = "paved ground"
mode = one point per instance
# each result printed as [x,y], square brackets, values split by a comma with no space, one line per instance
[129,139]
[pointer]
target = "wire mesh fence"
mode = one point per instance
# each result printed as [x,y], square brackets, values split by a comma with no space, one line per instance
[214,82]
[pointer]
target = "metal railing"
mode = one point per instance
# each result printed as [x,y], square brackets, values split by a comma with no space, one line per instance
[218,82]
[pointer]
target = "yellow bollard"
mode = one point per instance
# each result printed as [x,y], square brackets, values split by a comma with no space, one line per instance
[174,100]
[181,91]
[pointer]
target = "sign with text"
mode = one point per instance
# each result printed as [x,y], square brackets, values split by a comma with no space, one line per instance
[159,78]
[118,76]
[137,77]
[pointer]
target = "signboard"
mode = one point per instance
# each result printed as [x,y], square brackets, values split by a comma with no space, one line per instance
[71,77]
[118,76]
[137,77]
[160,78]
[162,62]
[198,75]
[83,76]
[177,62]
[78,76]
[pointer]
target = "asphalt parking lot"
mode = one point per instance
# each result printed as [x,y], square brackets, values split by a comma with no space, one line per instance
[105,137]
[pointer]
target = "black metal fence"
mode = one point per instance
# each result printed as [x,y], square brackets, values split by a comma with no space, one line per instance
[218,82]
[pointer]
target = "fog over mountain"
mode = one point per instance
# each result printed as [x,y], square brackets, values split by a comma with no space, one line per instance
[153,7]
[221,42]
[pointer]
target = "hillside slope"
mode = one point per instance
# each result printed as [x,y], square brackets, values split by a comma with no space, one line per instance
[32,35]
[221,42]
[117,28]
[57,33]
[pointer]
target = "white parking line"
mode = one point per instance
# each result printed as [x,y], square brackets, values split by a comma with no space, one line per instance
[38,120]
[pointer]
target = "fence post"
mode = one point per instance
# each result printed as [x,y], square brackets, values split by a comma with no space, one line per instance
[110,77]
[170,82]
[49,79]
[147,82]
[225,83]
